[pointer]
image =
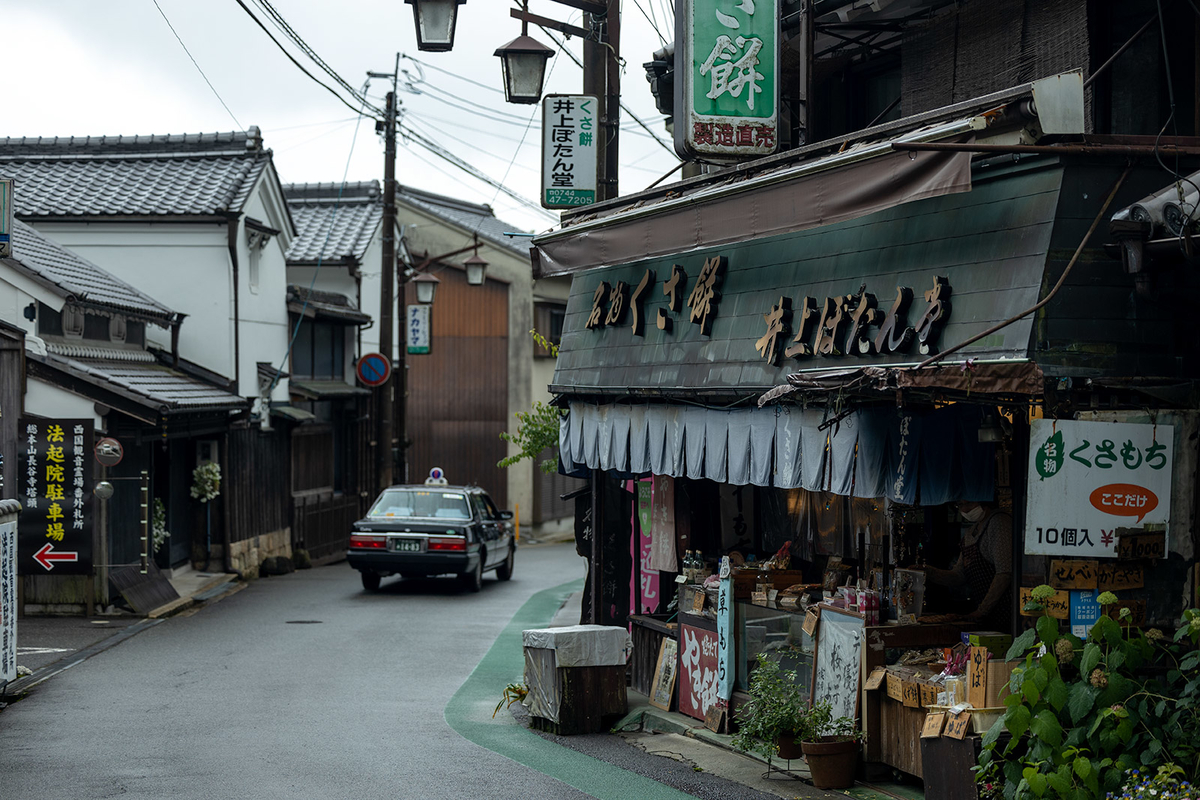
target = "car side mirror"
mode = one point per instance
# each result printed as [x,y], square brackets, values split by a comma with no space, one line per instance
[506,515]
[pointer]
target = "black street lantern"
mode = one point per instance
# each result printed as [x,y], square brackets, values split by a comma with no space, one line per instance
[435,21]
[524,62]
[476,268]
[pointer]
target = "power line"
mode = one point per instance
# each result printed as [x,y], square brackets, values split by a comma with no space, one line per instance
[197,66]
[427,65]
[302,68]
[653,22]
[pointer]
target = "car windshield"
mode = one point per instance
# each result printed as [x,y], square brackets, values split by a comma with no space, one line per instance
[421,503]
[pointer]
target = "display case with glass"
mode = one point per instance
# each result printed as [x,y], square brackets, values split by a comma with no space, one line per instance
[776,632]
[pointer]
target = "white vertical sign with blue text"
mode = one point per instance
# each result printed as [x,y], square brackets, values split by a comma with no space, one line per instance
[418,332]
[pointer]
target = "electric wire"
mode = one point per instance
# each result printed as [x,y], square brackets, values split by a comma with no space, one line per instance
[427,65]
[653,23]
[635,117]
[197,66]
[303,69]
[282,25]
[516,152]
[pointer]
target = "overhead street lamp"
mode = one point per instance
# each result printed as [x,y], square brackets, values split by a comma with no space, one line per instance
[524,63]
[476,269]
[426,286]
[435,21]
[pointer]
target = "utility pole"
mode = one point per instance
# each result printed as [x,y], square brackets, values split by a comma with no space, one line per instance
[602,78]
[384,398]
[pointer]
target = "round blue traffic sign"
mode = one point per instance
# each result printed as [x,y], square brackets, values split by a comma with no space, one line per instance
[373,369]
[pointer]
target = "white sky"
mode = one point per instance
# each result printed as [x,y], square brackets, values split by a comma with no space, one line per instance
[90,67]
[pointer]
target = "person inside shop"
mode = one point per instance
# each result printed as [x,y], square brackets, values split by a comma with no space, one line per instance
[983,569]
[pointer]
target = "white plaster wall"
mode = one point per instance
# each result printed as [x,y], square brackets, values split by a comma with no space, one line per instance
[264,328]
[16,293]
[46,400]
[334,279]
[184,266]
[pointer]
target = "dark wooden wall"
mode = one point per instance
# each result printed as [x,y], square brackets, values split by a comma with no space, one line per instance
[255,482]
[458,393]
[312,458]
[12,391]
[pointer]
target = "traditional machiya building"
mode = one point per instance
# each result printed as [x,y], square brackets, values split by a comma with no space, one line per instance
[945,331]
[79,372]
[199,222]
[482,365]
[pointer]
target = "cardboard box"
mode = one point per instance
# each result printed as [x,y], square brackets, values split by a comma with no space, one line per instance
[997,643]
[998,674]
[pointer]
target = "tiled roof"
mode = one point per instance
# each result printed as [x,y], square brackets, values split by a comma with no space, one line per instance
[471,217]
[328,305]
[84,176]
[333,221]
[322,389]
[154,386]
[70,275]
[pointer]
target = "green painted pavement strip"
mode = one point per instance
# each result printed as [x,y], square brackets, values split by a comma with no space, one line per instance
[469,713]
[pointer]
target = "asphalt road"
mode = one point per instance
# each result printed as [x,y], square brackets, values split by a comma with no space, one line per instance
[305,686]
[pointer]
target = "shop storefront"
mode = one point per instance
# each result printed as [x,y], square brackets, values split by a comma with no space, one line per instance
[750,373]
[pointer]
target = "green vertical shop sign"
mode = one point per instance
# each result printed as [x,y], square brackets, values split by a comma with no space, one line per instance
[727,79]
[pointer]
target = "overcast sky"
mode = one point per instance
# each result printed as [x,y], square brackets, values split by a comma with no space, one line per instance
[89,67]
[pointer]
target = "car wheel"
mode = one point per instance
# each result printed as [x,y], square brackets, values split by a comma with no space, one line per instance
[473,581]
[505,570]
[370,580]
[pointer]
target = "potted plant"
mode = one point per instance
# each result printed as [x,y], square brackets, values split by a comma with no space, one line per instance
[830,747]
[776,714]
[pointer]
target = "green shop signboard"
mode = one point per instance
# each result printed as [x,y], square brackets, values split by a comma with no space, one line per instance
[727,79]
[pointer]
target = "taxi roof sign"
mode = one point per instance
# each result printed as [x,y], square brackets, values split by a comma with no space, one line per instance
[436,477]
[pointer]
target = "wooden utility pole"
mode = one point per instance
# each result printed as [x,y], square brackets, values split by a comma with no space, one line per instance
[384,405]
[602,78]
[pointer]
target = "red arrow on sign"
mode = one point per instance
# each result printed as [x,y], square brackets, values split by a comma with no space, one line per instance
[46,556]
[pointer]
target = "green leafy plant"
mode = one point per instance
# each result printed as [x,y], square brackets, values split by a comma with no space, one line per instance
[777,707]
[1084,716]
[206,481]
[513,693]
[158,525]
[537,429]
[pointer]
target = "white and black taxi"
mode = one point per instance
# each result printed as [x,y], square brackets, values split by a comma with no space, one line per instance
[433,529]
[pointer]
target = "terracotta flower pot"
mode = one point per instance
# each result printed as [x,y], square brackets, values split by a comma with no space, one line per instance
[831,761]
[789,748]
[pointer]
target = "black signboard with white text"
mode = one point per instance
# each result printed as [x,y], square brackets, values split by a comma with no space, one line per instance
[54,485]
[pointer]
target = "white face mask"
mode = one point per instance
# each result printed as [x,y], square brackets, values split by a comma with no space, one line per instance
[972,514]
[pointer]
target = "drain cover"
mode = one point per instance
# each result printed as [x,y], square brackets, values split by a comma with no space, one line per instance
[304,622]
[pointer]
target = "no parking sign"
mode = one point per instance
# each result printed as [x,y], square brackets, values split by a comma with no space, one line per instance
[373,369]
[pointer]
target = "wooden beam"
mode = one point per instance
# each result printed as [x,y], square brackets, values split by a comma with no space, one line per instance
[597,7]
[546,22]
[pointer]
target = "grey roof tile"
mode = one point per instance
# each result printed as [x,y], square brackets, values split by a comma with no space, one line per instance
[180,174]
[71,276]
[152,385]
[333,221]
[472,217]
[327,305]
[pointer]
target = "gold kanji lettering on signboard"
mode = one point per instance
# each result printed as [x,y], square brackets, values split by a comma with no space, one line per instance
[673,289]
[637,303]
[776,319]
[706,294]
[804,324]
[596,318]
[618,300]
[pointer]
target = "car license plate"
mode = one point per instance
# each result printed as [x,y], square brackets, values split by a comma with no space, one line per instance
[407,545]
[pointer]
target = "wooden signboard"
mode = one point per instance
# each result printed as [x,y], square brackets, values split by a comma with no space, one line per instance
[977,677]
[958,725]
[932,728]
[1058,606]
[836,659]
[895,687]
[912,693]
[663,687]
[876,678]
[810,621]
[1136,606]
[1113,576]
[929,695]
[698,666]
[1073,573]
[1142,545]
[698,602]
[715,717]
